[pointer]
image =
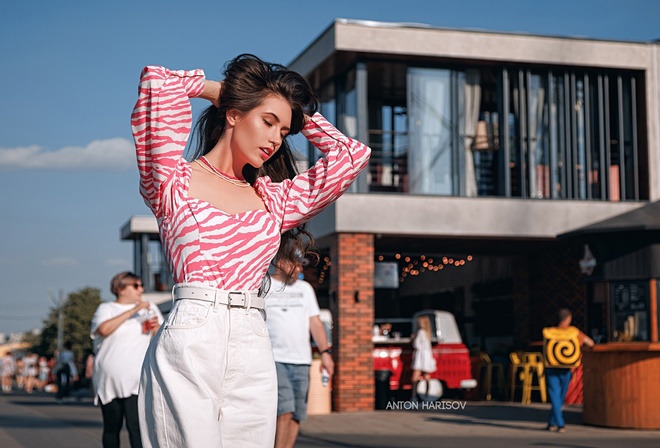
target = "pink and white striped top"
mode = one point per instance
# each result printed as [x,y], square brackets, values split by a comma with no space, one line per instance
[206,245]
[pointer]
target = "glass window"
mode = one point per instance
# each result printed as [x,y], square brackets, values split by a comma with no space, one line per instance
[510,131]
[596,148]
[347,105]
[539,171]
[388,127]
[430,157]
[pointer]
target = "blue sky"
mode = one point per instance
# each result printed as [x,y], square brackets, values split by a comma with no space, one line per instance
[68,82]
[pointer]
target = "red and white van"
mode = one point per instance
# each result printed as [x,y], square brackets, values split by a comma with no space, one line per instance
[392,351]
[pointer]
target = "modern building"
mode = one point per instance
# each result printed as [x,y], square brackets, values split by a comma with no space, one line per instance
[495,157]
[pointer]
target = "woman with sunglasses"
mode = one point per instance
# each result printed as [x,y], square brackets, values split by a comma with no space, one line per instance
[121,331]
[209,375]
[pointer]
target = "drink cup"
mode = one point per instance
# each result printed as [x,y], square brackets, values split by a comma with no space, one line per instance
[148,325]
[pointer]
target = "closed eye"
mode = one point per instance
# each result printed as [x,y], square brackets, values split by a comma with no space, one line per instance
[269,124]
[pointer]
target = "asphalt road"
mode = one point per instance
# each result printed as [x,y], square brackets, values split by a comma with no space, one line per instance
[37,421]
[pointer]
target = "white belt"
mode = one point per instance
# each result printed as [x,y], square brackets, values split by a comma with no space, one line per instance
[241,299]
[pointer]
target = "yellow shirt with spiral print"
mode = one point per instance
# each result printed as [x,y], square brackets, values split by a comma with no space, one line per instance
[561,347]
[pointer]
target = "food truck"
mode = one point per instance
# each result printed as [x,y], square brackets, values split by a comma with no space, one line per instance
[393,352]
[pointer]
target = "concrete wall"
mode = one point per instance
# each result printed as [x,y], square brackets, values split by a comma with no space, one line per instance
[396,214]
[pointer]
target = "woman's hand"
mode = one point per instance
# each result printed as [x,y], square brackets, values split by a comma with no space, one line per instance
[141,305]
[213,91]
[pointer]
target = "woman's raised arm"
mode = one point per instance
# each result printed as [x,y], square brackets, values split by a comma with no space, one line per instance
[309,192]
[161,122]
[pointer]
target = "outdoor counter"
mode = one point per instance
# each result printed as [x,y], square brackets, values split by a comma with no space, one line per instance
[384,340]
[621,387]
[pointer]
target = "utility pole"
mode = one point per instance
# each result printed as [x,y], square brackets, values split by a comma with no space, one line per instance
[59,303]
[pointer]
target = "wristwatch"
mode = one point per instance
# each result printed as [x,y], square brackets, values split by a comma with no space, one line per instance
[327,350]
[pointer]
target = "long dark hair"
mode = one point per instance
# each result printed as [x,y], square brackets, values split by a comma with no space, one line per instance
[248,81]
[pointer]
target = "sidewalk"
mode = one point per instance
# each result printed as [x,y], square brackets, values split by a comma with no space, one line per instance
[36,421]
[479,424]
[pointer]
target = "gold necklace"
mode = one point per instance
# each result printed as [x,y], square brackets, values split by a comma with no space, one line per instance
[206,165]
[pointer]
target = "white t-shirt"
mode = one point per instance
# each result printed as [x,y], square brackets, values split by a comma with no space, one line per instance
[118,356]
[288,310]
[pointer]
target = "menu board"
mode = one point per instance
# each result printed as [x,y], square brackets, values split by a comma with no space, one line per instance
[629,297]
[629,311]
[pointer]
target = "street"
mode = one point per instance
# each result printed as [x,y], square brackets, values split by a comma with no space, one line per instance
[36,421]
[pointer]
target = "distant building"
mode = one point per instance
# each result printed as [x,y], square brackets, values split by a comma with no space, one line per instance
[149,262]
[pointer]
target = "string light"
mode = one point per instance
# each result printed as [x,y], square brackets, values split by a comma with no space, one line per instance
[423,263]
[410,267]
[325,266]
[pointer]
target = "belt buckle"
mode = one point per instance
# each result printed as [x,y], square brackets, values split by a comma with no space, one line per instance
[236,301]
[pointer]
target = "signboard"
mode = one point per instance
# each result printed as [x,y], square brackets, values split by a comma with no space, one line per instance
[629,297]
[386,275]
[629,311]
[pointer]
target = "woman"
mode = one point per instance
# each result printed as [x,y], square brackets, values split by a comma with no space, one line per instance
[120,342]
[209,375]
[7,370]
[423,363]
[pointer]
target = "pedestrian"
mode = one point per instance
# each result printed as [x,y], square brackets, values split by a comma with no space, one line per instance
[44,373]
[7,371]
[20,373]
[88,382]
[293,314]
[66,372]
[558,378]
[423,362]
[209,375]
[121,332]
[31,368]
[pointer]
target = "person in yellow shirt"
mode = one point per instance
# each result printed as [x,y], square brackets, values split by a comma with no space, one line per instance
[558,378]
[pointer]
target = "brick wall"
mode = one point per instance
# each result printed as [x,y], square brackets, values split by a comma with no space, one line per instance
[352,306]
[556,282]
[521,326]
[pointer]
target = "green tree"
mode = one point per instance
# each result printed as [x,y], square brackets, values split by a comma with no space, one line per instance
[79,309]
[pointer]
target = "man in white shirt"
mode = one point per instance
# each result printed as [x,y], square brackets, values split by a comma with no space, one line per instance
[292,314]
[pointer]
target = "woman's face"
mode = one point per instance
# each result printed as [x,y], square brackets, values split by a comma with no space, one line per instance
[258,134]
[132,290]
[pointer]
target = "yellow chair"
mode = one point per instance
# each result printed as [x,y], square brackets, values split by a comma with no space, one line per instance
[533,364]
[486,376]
[516,366]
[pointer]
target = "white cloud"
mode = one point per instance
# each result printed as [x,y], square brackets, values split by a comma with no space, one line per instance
[60,261]
[111,154]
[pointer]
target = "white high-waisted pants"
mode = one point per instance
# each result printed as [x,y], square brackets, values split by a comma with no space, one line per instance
[208,380]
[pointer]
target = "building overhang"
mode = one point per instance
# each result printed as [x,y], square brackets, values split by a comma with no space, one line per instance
[460,218]
[642,219]
[137,226]
[418,40]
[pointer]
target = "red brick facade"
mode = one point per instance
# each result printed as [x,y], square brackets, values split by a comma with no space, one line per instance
[542,285]
[352,306]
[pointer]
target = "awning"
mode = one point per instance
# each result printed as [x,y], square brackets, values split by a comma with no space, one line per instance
[643,221]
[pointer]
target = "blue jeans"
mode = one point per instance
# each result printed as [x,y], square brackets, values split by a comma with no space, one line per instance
[557,382]
[292,389]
